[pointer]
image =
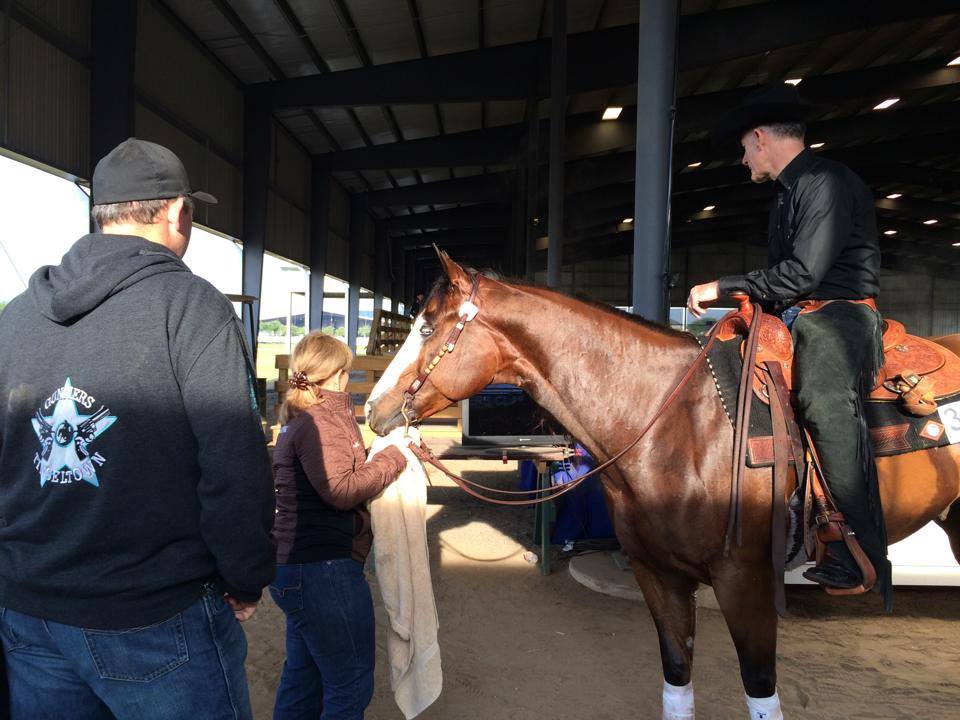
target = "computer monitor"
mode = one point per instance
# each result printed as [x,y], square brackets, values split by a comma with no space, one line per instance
[505,416]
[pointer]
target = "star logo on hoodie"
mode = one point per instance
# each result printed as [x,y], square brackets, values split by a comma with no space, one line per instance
[65,436]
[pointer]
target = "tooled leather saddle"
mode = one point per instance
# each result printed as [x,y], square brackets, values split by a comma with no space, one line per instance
[916,374]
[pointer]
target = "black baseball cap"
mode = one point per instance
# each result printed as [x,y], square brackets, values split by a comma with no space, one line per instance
[140,170]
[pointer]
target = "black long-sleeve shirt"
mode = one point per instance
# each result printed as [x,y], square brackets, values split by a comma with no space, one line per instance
[823,237]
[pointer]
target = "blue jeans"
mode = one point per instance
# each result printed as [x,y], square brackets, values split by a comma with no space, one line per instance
[328,673]
[187,666]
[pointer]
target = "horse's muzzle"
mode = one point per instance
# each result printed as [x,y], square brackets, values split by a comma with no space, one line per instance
[382,423]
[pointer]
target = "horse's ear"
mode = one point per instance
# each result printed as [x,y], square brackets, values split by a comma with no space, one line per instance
[458,277]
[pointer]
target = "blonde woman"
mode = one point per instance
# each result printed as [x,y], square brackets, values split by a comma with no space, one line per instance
[323,537]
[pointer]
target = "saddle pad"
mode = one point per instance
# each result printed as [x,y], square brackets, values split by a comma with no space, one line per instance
[892,431]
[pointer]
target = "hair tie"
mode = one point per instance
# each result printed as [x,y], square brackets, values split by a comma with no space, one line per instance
[299,380]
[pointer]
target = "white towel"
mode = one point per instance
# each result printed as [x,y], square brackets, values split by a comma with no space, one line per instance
[401,557]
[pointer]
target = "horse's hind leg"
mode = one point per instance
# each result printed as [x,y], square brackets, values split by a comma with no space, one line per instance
[951,526]
[746,599]
[672,604]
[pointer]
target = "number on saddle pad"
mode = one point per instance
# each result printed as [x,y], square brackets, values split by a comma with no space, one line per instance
[950,415]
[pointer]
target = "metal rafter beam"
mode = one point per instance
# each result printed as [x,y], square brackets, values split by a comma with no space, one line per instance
[475,216]
[698,111]
[945,260]
[588,135]
[495,187]
[445,239]
[597,60]
[475,147]
[359,49]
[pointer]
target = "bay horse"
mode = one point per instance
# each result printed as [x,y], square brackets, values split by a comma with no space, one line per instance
[603,374]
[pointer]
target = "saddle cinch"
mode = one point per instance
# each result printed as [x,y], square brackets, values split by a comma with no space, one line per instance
[915,375]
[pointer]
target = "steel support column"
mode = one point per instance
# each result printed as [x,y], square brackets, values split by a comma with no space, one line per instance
[113,38]
[319,229]
[409,279]
[256,172]
[357,221]
[396,274]
[380,260]
[656,93]
[558,118]
[531,185]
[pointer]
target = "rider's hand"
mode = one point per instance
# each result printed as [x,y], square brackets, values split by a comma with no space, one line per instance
[701,296]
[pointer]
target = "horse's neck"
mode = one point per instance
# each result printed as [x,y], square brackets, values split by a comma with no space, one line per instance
[591,369]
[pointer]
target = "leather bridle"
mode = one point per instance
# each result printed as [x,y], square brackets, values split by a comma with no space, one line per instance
[467,312]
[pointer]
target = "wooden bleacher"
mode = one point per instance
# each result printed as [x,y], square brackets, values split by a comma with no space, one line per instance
[372,368]
[387,332]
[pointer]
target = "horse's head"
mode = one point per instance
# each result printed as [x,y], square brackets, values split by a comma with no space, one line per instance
[460,373]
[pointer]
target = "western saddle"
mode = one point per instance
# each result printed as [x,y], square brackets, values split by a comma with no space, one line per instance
[916,374]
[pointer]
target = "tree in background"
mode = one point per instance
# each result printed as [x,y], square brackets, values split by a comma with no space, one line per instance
[3,304]
[273,327]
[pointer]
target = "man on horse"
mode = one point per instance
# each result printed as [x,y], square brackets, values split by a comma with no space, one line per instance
[824,257]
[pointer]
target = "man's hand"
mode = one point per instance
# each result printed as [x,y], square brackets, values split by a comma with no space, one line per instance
[701,296]
[242,611]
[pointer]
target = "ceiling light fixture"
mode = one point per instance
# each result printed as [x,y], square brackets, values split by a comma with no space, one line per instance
[708,208]
[954,62]
[889,232]
[956,244]
[817,145]
[931,221]
[886,103]
[894,196]
[627,221]
[612,112]
[793,81]
[695,164]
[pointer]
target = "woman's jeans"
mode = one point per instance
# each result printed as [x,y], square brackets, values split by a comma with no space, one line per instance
[328,673]
[187,666]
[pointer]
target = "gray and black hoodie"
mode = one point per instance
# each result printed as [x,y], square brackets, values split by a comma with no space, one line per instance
[133,469]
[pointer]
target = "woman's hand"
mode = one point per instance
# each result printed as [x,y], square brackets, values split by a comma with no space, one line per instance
[403,436]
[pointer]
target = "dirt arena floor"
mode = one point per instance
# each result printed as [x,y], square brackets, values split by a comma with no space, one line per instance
[517,645]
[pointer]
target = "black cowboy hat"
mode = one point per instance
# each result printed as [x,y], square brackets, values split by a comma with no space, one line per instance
[772,103]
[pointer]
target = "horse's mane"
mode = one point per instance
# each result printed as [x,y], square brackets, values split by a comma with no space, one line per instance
[442,284]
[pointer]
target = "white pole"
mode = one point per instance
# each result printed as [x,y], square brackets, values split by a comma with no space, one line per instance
[290,324]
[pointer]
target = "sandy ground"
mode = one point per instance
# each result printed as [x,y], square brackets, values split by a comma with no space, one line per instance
[526,647]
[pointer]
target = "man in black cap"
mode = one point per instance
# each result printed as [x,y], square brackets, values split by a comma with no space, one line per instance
[136,490]
[823,247]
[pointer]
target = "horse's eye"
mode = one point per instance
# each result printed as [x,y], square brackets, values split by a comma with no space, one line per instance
[426,330]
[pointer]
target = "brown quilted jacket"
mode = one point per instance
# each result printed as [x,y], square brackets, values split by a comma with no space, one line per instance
[323,480]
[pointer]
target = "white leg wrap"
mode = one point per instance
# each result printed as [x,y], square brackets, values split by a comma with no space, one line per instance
[765,708]
[677,701]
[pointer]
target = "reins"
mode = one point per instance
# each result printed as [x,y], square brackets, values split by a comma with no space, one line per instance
[468,311]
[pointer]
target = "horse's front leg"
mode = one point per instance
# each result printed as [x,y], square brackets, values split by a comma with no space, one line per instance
[745,594]
[672,603]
